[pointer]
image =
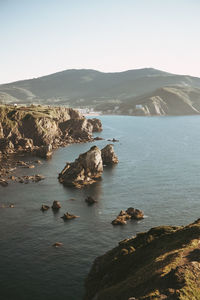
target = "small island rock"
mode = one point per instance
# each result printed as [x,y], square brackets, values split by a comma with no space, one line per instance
[108,155]
[56,205]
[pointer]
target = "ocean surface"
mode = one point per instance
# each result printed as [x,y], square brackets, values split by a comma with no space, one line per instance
[158,172]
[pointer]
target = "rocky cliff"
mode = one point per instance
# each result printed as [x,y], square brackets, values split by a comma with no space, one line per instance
[163,263]
[36,127]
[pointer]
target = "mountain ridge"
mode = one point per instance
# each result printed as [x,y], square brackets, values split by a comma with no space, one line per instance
[101,91]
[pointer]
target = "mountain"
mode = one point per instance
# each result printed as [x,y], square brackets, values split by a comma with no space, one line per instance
[110,92]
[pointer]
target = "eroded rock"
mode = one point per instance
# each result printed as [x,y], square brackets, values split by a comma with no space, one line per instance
[86,169]
[130,213]
[108,155]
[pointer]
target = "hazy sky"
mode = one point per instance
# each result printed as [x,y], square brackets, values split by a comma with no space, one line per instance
[40,37]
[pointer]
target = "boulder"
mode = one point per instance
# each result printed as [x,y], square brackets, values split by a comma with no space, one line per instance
[6,146]
[120,220]
[86,169]
[135,213]
[68,216]
[108,155]
[25,143]
[90,200]
[44,151]
[56,205]
[3,182]
[45,207]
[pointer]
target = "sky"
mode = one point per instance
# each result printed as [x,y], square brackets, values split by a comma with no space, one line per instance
[40,37]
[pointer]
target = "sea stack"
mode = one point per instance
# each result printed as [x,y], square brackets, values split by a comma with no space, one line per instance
[86,169]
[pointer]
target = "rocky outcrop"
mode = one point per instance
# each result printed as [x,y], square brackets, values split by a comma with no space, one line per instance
[96,124]
[67,216]
[86,169]
[130,213]
[162,263]
[108,155]
[34,128]
[44,151]
[44,207]
[56,205]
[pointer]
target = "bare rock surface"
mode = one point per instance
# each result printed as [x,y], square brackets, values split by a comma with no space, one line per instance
[86,169]
[130,213]
[108,155]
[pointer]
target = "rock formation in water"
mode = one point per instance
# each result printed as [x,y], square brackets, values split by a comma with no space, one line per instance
[86,169]
[38,128]
[163,263]
[130,213]
[108,155]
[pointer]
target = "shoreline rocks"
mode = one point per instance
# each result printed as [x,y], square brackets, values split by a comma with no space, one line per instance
[40,129]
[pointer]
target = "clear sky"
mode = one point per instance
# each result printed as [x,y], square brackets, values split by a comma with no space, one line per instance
[40,37]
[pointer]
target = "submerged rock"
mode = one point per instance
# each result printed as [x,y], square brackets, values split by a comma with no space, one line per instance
[108,155]
[57,244]
[90,200]
[86,169]
[163,263]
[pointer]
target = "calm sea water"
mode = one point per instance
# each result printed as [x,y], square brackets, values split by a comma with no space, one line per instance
[158,172]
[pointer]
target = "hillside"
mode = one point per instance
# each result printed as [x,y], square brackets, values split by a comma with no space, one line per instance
[162,263]
[107,92]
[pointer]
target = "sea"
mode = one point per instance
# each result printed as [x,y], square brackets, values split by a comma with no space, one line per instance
[158,172]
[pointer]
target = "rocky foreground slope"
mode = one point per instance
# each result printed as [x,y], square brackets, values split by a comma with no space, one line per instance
[163,263]
[40,128]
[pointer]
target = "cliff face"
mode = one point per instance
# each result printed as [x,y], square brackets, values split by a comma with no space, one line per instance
[163,263]
[26,128]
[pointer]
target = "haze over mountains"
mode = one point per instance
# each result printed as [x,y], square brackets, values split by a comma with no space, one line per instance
[134,92]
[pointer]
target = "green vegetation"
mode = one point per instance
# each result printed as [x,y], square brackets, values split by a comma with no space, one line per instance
[155,91]
[162,263]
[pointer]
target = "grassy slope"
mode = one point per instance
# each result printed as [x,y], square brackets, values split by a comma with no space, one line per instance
[160,264]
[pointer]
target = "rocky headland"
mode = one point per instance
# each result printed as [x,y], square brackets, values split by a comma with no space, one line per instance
[163,263]
[88,167]
[39,130]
